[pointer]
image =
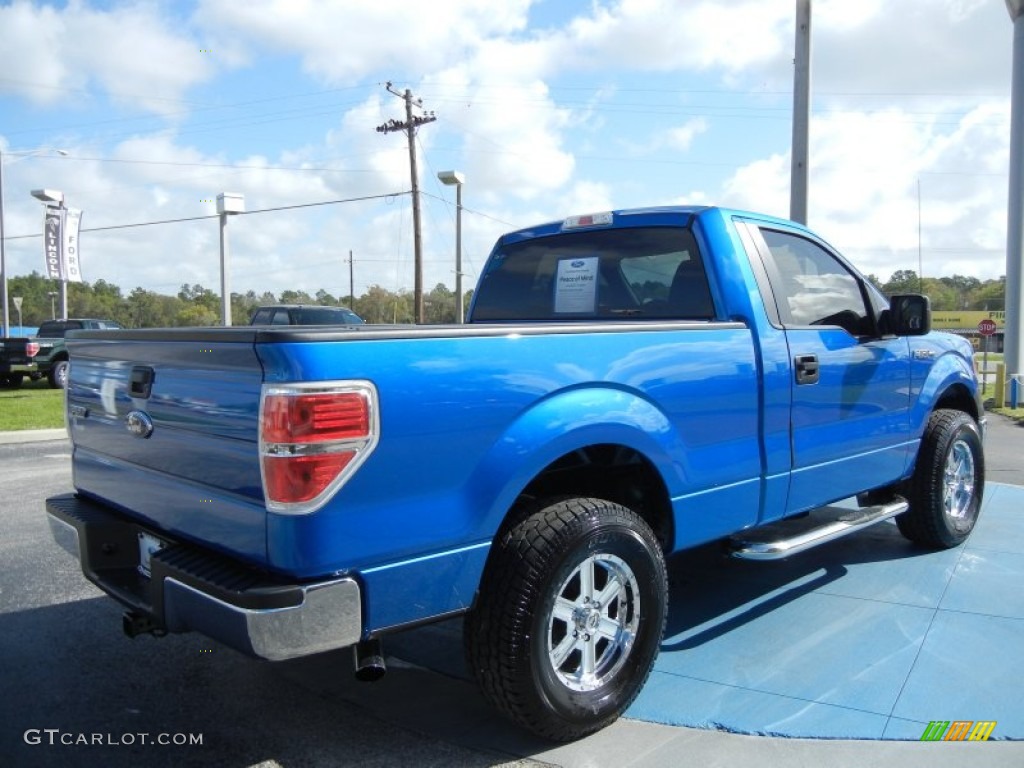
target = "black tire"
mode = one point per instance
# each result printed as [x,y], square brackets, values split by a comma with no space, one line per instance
[521,647]
[58,375]
[946,488]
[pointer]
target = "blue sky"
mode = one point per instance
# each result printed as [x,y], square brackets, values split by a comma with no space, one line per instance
[550,108]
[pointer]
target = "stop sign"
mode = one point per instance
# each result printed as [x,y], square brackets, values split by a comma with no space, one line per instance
[987,327]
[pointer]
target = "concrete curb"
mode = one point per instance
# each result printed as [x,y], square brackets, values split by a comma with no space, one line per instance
[32,436]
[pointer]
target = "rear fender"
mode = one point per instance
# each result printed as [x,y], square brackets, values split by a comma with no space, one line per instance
[569,421]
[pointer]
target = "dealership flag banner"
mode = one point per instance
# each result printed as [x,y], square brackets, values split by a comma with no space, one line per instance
[60,243]
[72,266]
[53,240]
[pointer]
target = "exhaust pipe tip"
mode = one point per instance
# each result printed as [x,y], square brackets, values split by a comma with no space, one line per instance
[369,660]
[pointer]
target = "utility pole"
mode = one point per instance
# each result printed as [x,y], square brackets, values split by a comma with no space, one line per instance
[351,283]
[801,113]
[412,122]
[1014,324]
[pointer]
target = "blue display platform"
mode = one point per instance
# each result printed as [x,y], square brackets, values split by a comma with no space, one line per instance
[869,637]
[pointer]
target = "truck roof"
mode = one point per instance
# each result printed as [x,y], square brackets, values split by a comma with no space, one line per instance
[644,216]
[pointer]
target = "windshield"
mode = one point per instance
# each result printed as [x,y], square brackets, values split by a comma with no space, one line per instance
[644,272]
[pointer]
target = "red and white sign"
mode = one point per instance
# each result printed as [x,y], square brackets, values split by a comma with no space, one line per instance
[987,327]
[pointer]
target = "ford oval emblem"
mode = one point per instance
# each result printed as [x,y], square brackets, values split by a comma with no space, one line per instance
[139,424]
[577,264]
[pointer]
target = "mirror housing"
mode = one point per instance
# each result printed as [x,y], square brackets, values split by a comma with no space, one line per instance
[909,314]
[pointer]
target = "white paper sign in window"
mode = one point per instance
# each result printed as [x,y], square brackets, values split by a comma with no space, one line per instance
[576,285]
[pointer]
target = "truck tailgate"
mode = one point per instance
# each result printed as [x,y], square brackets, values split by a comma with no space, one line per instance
[169,431]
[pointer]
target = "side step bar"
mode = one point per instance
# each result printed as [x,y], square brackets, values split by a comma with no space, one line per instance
[788,537]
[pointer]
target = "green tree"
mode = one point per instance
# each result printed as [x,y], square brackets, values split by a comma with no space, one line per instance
[902,281]
[989,296]
[963,286]
[379,305]
[35,300]
[147,309]
[296,297]
[439,305]
[943,297]
[195,315]
[326,299]
[243,306]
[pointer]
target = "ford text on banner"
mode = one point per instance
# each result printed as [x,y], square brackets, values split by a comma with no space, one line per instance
[53,225]
[72,265]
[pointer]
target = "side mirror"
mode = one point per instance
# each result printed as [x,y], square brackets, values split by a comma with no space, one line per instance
[909,314]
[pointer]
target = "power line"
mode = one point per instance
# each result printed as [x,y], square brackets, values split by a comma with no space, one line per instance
[164,115]
[215,216]
[233,166]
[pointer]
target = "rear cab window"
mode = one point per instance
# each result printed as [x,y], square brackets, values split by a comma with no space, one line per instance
[55,329]
[609,273]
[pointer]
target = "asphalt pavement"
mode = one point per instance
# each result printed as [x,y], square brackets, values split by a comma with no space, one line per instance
[69,675]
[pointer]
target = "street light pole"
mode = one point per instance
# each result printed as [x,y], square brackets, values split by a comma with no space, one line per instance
[458,179]
[228,203]
[1014,326]
[801,114]
[3,255]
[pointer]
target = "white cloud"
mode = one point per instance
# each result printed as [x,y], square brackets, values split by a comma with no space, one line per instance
[536,118]
[132,52]
[339,40]
[926,49]
[662,35]
[863,196]
[681,137]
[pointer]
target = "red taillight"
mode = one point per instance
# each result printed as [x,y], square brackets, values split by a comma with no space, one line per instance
[316,417]
[31,348]
[312,438]
[297,479]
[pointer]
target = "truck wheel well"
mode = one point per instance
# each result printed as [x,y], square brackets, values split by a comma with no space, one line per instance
[612,472]
[958,398]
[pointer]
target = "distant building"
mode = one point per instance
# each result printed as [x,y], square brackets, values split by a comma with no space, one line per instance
[965,323]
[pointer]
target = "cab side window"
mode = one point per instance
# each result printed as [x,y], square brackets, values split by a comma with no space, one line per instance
[815,288]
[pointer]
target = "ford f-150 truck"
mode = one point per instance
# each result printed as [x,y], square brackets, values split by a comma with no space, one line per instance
[53,354]
[17,360]
[630,384]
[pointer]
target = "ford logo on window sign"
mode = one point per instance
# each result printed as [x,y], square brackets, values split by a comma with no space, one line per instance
[577,264]
[139,424]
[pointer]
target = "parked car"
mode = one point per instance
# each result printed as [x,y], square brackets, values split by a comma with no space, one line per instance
[630,385]
[305,314]
[52,360]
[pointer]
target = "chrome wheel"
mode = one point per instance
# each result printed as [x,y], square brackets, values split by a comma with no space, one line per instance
[557,638]
[593,622]
[958,480]
[58,375]
[948,483]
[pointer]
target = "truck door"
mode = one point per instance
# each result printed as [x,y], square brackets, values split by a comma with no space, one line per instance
[850,422]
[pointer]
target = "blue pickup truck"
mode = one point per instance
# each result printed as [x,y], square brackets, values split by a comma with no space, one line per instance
[630,384]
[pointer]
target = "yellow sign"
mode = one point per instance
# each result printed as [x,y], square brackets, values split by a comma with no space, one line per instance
[967,320]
